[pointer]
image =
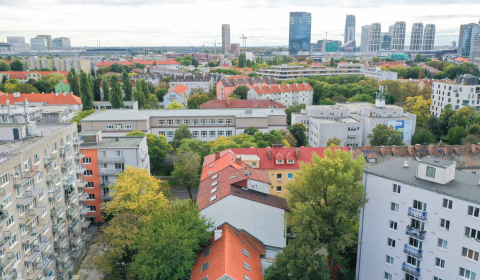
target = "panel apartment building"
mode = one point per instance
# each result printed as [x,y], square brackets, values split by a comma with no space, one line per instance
[461,92]
[288,94]
[42,216]
[421,221]
[103,159]
[205,125]
[287,72]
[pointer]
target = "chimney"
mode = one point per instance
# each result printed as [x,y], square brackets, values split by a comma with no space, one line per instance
[56,94]
[430,149]
[218,234]
[238,160]
[269,153]
[418,147]
[297,153]
[228,102]
[457,149]
[217,155]
[411,150]
[383,150]
[367,148]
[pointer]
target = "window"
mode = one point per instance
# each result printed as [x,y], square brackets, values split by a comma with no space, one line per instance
[447,203]
[119,126]
[178,122]
[203,121]
[213,198]
[13,241]
[170,133]
[422,206]
[439,263]
[161,133]
[220,133]
[195,121]
[10,220]
[87,160]
[88,173]
[388,276]
[89,185]
[220,122]
[431,172]
[205,266]
[245,252]
[206,253]
[195,134]
[470,254]
[290,161]
[37,158]
[109,126]
[40,176]
[214,183]
[187,122]
[444,224]
[161,122]
[211,121]
[118,153]
[396,188]
[390,260]
[393,225]
[279,189]
[467,274]
[391,243]
[91,196]
[442,244]
[169,122]
[54,147]
[473,211]
[128,127]
[92,208]
[394,207]
[211,133]
[472,233]
[228,121]
[5,179]
[436,278]
[119,166]
[204,134]
[228,133]
[246,266]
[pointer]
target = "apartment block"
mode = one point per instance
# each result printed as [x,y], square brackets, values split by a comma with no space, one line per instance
[416,40]
[43,228]
[226,86]
[421,221]
[287,72]
[205,125]
[105,157]
[288,94]
[461,92]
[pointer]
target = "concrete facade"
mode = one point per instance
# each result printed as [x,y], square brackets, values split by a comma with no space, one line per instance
[462,92]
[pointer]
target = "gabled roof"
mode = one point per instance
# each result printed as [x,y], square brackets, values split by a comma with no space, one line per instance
[461,59]
[243,103]
[180,89]
[225,256]
[158,62]
[225,160]
[106,63]
[49,98]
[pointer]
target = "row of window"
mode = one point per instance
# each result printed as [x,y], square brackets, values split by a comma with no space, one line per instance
[119,126]
[201,134]
[196,122]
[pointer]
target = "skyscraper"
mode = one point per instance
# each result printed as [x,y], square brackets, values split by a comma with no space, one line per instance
[398,36]
[349,29]
[364,39]
[417,36]
[429,37]
[226,38]
[300,32]
[48,38]
[468,35]
[61,43]
[374,37]
[385,41]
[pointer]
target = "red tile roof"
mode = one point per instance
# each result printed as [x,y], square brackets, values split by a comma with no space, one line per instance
[282,88]
[224,160]
[158,62]
[49,98]
[107,63]
[461,59]
[225,256]
[23,74]
[244,103]
[238,77]
[65,82]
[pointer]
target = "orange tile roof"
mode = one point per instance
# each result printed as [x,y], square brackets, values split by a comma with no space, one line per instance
[225,256]
[107,63]
[225,160]
[461,59]
[238,77]
[49,98]
[158,62]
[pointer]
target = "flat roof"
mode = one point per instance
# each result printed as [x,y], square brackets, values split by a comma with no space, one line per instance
[111,142]
[438,162]
[464,186]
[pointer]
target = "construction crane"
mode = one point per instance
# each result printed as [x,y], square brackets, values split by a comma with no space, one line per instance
[244,41]
[214,44]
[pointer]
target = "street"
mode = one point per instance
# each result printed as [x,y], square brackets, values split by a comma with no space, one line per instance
[182,192]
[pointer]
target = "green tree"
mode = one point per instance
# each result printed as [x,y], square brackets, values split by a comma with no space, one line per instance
[157,147]
[250,130]
[4,66]
[465,117]
[16,65]
[153,102]
[127,86]
[324,198]
[434,126]
[97,96]
[138,95]
[295,108]
[455,135]
[332,62]
[174,105]
[273,137]
[86,92]
[241,91]
[292,141]
[445,117]
[298,131]
[185,170]
[382,135]
[334,142]
[197,146]
[43,86]
[80,116]
[145,89]
[72,79]
[4,79]
[106,89]
[423,135]
[160,93]
[182,132]
[195,101]
[362,98]
[116,97]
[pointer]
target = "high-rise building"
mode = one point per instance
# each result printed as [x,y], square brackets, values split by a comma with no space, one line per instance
[453,44]
[49,40]
[458,93]
[469,34]
[300,32]
[349,29]
[416,40]
[61,43]
[428,37]
[374,37]
[398,37]
[364,38]
[16,40]
[39,44]
[235,48]
[385,41]
[18,44]
[226,38]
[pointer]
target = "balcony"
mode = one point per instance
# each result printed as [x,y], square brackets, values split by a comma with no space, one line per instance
[7,262]
[417,233]
[67,164]
[57,211]
[30,235]
[106,171]
[12,275]
[55,194]
[421,215]
[51,177]
[3,216]
[31,214]
[29,196]
[59,227]
[111,159]
[42,264]
[61,257]
[72,211]
[81,183]
[69,181]
[81,169]
[82,197]
[84,210]
[61,242]
[85,224]
[104,184]
[62,272]
[7,236]
[20,180]
[48,161]
[415,271]
[65,149]
[79,155]
[75,240]
[74,225]
[106,196]
[37,249]
[49,275]
[78,141]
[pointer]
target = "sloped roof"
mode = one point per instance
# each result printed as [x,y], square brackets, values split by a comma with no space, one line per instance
[225,256]
[158,62]
[225,160]
[243,103]
[180,89]
[461,59]
[106,63]
[49,98]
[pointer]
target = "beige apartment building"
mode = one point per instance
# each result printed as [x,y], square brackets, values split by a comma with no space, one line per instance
[42,218]
[204,124]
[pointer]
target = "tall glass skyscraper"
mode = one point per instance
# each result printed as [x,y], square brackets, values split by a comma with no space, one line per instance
[300,32]
[374,37]
[226,38]
[469,35]
[349,29]
[417,37]
[429,37]
[365,36]
[398,37]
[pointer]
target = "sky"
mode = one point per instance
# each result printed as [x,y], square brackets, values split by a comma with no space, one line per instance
[196,23]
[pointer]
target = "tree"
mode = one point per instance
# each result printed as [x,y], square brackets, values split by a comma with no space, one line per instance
[332,62]
[153,102]
[295,108]
[434,126]
[298,131]
[362,98]
[182,132]
[420,107]
[157,147]
[86,92]
[97,96]
[72,79]
[43,86]
[382,135]
[423,136]
[16,65]
[106,89]
[138,95]
[4,79]
[185,170]
[273,137]
[241,91]
[300,259]
[233,96]
[53,79]
[127,86]
[195,101]
[250,130]
[4,66]
[174,105]
[465,117]
[335,142]
[445,117]
[116,98]
[160,93]
[292,141]
[455,135]
[197,146]
[145,89]
[80,116]
[324,199]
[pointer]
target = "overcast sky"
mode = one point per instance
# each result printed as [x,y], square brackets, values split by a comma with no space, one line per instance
[190,23]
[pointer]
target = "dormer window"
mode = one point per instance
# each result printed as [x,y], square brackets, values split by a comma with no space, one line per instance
[290,161]
[431,172]
[280,161]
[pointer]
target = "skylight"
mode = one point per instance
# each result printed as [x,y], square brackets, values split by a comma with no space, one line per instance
[214,176]
[211,165]
[213,198]
[210,172]
[213,190]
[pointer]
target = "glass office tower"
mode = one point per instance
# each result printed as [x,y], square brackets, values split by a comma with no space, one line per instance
[300,32]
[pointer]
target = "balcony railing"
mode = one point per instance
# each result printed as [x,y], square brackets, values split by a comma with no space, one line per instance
[59,227]
[81,183]
[79,155]
[106,171]
[84,210]
[30,235]
[29,196]
[417,233]
[31,214]
[7,236]
[12,275]
[62,257]
[85,224]
[111,159]
[421,215]
[415,271]
[82,197]
[55,194]
[74,241]
[72,211]
[51,177]
[57,211]
[81,169]
[68,181]
[66,165]
[49,275]
[21,180]
[78,141]
[37,249]
[3,216]
[7,262]
[65,149]
[74,225]
[48,161]
[61,242]
[104,184]
[42,264]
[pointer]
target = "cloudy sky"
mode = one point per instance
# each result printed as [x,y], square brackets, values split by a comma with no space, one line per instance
[190,23]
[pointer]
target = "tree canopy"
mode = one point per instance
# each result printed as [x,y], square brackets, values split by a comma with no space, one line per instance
[174,105]
[241,91]
[182,132]
[298,131]
[116,96]
[382,135]
[185,170]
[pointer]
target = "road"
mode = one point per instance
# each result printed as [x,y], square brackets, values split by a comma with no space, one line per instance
[182,192]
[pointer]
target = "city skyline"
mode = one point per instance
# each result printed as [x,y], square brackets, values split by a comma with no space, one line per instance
[154,30]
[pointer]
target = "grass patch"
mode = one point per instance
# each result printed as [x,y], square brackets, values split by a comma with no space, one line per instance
[174,183]
[162,170]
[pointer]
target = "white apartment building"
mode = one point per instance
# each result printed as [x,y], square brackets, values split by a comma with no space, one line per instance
[288,94]
[286,72]
[43,229]
[461,92]
[379,74]
[421,221]
[352,122]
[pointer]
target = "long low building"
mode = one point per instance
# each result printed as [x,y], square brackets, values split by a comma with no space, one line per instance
[288,94]
[205,125]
